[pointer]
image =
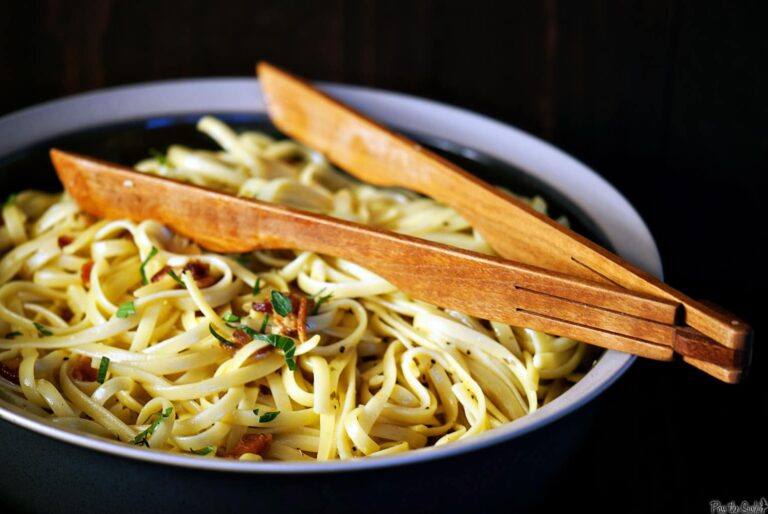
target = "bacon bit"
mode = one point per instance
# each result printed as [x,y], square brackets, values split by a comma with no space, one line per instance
[88,220]
[64,241]
[207,281]
[301,322]
[292,159]
[198,269]
[251,443]
[260,354]
[160,274]
[241,338]
[9,370]
[66,314]
[263,307]
[295,301]
[287,325]
[201,272]
[85,273]
[83,371]
[295,323]
[127,235]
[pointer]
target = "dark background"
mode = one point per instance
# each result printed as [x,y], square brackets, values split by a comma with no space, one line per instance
[664,99]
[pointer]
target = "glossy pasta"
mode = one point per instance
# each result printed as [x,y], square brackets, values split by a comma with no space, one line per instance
[127,331]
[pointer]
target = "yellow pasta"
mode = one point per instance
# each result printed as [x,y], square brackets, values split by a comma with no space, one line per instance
[126,330]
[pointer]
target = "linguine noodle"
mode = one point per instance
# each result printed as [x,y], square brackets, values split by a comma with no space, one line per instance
[128,331]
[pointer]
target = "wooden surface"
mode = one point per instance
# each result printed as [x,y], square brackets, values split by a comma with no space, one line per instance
[646,93]
[372,153]
[482,286]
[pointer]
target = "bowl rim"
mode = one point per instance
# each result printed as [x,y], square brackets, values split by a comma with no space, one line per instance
[610,210]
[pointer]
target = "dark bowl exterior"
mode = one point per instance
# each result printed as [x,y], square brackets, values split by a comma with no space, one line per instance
[40,474]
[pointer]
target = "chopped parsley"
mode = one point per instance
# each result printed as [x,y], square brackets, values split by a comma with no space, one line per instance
[175,277]
[244,259]
[142,437]
[152,253]
[248,330]
[267,416]
[256,286]
[11,198]
[162,159]
[221,338]
[11,335]
[231,318]
[43,331]
[126,309]
[316,294]
[103,367]
[264,324]
[281,303]
[320,300]
[203,451]
[286,344]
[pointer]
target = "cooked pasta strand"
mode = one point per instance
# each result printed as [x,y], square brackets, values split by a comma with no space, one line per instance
[126,330]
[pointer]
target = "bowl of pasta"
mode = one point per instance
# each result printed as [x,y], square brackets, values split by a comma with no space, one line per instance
[134,362]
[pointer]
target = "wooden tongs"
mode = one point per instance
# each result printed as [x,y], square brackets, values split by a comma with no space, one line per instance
[374,154]
[603,314]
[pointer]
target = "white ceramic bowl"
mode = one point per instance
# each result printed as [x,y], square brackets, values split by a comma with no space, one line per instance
[619,222]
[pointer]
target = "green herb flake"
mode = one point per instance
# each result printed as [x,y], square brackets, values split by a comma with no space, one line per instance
[281,303]
[162,159]
[286,344]
[41,328]
[203,451]
[248,330]
[256,286]
[103,367]
[316,294]
[142,437]
[175,277]
[151,254]
[126,309]
[221,338]
[243,259]
[231,318]
[320,301]
[11,198]
[11,335]
[267,416]
[264,324]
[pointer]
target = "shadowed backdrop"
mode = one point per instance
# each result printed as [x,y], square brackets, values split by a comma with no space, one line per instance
[664,99]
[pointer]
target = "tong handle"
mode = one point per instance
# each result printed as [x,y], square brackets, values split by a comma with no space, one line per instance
[603,315]
[515,230]
[730,366]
